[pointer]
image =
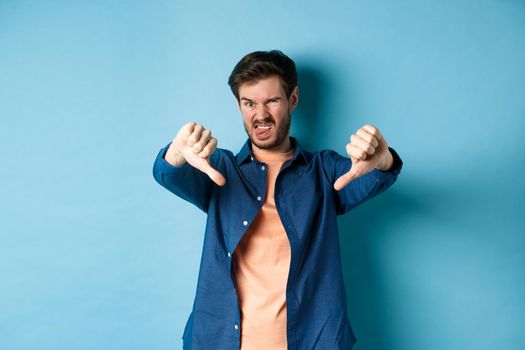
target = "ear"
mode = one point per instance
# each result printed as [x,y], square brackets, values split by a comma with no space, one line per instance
[294,98]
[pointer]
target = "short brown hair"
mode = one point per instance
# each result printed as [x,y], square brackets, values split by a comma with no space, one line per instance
[262,64]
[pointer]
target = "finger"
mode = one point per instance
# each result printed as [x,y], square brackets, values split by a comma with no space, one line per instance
[372,130]
[205,137]
[187,129]
[213,174]
[195,135]
[209,148]
[204,166]
[184,133]
[346,178]
[362,144]
[371,139]
[355,152]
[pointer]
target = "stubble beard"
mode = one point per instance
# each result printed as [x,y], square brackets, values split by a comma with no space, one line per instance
[281,134]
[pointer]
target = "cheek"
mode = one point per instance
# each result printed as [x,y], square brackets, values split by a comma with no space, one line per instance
[279,113]
[246,119]
[247,114]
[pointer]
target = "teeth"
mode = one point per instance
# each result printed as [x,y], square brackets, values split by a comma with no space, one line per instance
[263,126]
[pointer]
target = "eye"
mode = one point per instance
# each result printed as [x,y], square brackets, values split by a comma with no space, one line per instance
[248,104]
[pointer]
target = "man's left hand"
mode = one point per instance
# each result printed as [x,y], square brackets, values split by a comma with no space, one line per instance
[368,150]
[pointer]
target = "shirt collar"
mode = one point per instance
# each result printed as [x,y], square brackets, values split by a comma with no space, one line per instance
[246,152]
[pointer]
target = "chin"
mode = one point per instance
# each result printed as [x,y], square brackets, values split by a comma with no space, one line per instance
[263,144]
[267,144]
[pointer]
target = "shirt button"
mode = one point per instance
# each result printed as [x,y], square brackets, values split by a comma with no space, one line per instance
[251,158]
[236,326]
[229,255]
[259,198]
[245,223]
[263,167]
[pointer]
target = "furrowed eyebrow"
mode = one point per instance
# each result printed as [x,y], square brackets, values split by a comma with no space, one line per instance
[274,98]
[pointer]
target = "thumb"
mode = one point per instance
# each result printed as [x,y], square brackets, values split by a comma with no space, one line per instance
[203,165]
[348,177]
[213,174]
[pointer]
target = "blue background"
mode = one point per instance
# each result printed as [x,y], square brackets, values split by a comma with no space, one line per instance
[95,255]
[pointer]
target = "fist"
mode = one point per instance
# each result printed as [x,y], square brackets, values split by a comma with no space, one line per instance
[194,144]
[368,150]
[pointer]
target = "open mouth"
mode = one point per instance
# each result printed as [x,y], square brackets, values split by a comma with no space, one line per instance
[263,126]
[262,129]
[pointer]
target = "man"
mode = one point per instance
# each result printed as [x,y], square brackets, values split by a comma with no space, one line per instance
[270,275]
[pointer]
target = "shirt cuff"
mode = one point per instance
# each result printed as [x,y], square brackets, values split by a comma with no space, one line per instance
[396,165]
[164,165]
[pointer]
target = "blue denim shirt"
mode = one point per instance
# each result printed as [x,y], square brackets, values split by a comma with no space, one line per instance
[308,206]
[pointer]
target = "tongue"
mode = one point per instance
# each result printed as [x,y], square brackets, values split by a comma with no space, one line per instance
[261,131]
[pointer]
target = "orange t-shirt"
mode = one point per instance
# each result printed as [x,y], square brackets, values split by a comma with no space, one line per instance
[261,263]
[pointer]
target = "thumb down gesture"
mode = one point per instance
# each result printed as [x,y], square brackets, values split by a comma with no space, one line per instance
[368,150]
[194,144]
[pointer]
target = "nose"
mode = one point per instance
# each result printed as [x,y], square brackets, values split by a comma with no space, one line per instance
[261,111]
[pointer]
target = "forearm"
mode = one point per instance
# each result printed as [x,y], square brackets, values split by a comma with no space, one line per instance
[182,180]
[366,186]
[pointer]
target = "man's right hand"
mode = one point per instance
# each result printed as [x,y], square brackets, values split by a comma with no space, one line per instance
[194,144]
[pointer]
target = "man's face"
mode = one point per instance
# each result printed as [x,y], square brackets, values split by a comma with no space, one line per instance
[266,112]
